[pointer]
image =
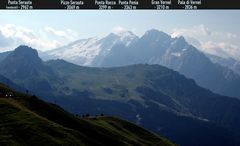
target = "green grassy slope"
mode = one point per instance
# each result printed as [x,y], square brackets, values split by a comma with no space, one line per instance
[27,120]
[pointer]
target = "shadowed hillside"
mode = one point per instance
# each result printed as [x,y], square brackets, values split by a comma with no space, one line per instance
[26,120]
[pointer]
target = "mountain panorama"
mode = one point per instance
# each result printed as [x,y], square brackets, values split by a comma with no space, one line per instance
[154,47]
[157,82]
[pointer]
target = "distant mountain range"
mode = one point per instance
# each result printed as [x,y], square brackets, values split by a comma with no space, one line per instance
[231,63]
[154,47]
[158,98]
[26,120]
[91,51]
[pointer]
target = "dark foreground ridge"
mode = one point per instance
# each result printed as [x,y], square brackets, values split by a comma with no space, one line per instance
[26,120]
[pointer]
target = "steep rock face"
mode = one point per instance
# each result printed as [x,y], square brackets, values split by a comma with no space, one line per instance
[139,51]
[21,59]
[23,66]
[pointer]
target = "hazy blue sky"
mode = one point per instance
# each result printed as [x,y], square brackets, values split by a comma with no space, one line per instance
[208,30]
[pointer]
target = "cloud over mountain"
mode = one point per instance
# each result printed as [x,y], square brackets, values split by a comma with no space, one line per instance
[44,38]
[218,43]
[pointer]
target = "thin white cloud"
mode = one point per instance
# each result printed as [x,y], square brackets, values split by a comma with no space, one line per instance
[4,41]
[212,42]
[221,49]
[66,34]
[232,36]
[55,32]
[43,39]
[17,33]
[190,32]
[200,31]
[120,30]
